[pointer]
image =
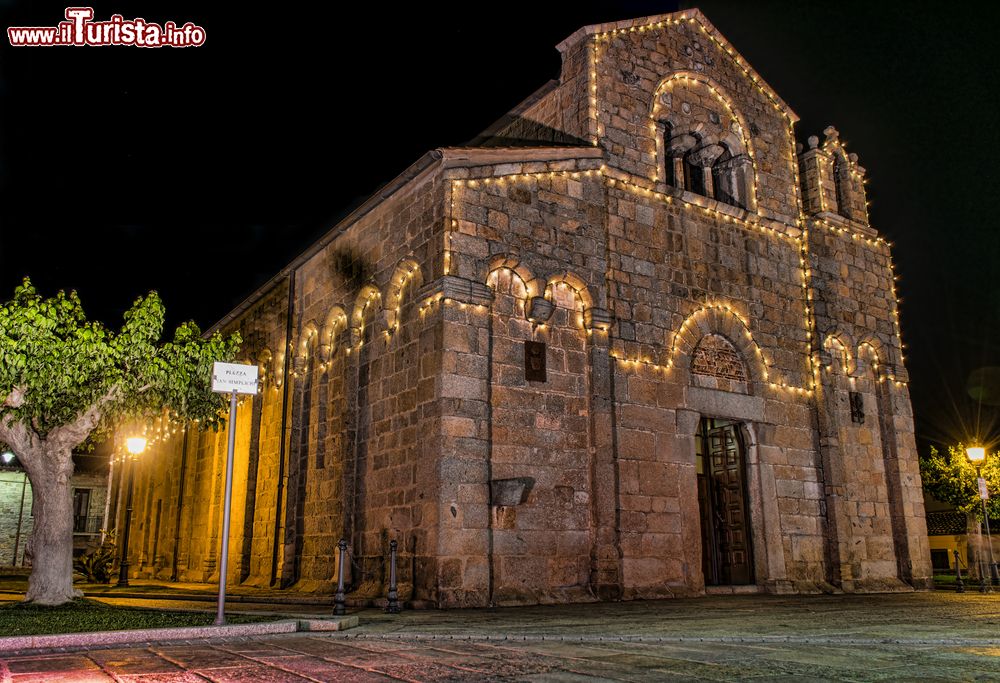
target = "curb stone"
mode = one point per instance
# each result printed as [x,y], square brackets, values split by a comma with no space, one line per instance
[198,597]
[762,639]
[24,644]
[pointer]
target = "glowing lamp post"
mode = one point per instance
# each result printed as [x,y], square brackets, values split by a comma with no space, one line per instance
[977,456]
[135,445]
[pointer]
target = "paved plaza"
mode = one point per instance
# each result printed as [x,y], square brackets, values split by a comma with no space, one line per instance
[919,637]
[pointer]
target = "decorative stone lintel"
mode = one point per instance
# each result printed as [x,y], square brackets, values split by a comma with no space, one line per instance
[507,492]
[739,161]
[597,319]
[459,289]
[539,309]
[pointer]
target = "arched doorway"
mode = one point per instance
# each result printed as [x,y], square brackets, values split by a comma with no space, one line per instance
[726,535]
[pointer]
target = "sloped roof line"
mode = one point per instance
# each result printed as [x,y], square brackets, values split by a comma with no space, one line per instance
[694,15]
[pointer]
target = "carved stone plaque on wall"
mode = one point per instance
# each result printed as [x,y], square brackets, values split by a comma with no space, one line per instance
[716,357]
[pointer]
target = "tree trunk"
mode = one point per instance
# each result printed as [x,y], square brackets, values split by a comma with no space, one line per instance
[51,580]
[974,539]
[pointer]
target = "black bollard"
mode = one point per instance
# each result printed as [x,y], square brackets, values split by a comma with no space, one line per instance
[392,606]
[339,603]
[959,585]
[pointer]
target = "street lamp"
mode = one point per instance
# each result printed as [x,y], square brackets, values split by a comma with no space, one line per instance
[135,446]
[977,455]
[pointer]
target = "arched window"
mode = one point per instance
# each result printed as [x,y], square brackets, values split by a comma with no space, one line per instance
[703,144]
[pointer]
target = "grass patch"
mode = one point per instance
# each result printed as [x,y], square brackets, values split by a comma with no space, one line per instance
[82,615]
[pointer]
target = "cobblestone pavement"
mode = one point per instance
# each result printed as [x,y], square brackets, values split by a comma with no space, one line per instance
[919,637]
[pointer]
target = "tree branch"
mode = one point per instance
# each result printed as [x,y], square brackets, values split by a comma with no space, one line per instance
[74,433]
[18,436]
[15,399]
[16,433]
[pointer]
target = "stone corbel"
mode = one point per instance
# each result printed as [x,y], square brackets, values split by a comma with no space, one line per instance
[597,319]
[357,336]
[325,351]
[824,358]
[538,310]
[897,373]
[680,144]
[508,492]
[459,289]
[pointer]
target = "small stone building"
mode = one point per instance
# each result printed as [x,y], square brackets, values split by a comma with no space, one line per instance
[89,485]
[631,342]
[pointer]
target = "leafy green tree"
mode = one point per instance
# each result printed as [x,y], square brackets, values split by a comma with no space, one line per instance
[951,478]
[66,381]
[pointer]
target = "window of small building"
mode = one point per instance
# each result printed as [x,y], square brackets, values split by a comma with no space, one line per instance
[940,560]
[81,508]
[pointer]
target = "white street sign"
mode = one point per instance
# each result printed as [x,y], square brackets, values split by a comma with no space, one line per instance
[983,493]
[234,377]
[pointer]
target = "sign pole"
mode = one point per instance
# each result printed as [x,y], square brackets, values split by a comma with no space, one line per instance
[220,617]
[232,379]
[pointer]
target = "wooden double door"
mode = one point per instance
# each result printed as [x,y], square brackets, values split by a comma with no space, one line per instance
[727,553]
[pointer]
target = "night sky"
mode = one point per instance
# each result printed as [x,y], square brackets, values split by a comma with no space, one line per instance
[200,172]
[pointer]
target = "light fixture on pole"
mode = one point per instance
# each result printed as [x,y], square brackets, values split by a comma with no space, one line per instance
[135,445]
[7,457]
[977,456]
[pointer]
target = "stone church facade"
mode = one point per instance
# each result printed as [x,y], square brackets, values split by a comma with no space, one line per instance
[632,342]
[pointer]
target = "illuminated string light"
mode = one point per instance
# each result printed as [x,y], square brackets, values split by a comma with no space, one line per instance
[401,278]
[717,38]
[691,321]
[895,310]
[359,315]
[684,78]
[835,344]
[810,317]
[594,119]
[576,292]
[636,186]
[618,178]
